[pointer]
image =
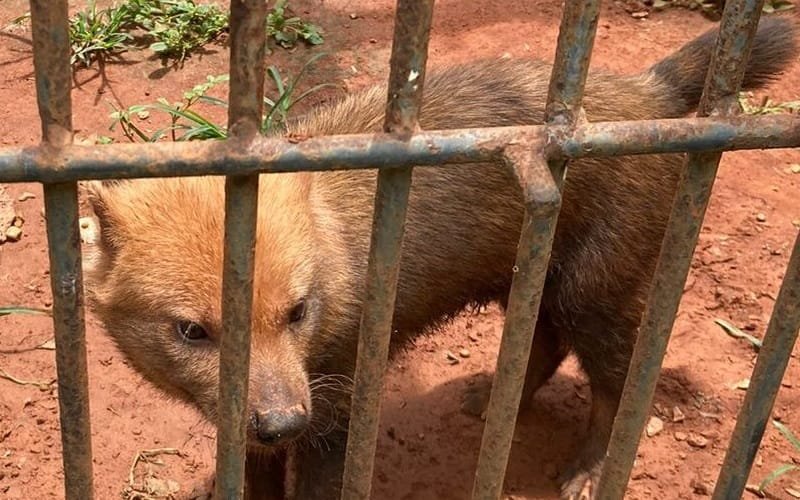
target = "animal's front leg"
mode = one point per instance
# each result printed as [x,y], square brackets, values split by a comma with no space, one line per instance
[265,476]
[315,473]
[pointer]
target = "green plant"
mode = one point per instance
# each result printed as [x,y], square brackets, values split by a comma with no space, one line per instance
[287,31]
[94,33]
[177,27]
[186,123]
[170,28]
[783,468]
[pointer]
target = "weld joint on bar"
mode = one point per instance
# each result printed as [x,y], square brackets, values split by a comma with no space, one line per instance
[529,165]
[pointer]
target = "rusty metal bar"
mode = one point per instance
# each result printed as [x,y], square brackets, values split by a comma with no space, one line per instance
[543,201]
[773,357]
[601,139]
[406,79]
[573,54]
[575,40]
[726,71]
[246,96]
[51,52]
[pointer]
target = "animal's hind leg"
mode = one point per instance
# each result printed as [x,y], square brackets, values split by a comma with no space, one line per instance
[547,353]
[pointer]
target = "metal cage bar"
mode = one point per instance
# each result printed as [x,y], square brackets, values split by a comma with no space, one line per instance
[773,358]
[406,78]
[246,97]
[541,180]
[382,151]
[538,156]
[542,204]
[53,86]
[726,71]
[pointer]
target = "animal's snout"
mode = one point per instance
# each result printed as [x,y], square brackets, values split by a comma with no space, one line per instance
[279,425]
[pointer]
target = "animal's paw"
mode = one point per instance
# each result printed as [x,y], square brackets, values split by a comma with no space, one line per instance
[581,483]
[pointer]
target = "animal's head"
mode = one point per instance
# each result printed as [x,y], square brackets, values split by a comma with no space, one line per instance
[154,278]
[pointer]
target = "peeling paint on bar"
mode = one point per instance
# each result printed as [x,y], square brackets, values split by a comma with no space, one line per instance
[246,95]
[406,79]
[53,84]
[264,155]
[737,30]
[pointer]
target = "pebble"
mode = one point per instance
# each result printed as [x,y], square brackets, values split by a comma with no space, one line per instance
[761,217]
[697,441]
[701,487]
[451,358]
[464,353]
[795,168]
[677,415]
[13,233]
[654,426]
[680,436]
[353,16]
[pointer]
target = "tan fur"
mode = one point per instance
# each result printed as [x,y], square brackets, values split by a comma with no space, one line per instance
[159,259]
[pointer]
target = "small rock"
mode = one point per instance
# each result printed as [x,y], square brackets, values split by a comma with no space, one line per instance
[654,426]
[464,353]
[451,358]
[473,337]
[353,16]
[677,415]
[421,436]
[13,233]
[680,436]
[701,487]
[26,196]
[710,434]
[697,441]
[640,15]
[795,168]
[372,40]
[18,221]
[760,217]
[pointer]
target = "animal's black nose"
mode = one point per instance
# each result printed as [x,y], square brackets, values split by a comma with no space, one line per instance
[276,426]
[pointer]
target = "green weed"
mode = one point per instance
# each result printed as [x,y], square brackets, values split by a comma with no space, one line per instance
[783,468]
[187,123]
[96,34]
[288,31]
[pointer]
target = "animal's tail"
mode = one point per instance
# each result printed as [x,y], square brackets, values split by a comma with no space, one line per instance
[774,47]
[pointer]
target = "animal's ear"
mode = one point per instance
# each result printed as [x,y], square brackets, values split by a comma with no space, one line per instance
[108,235]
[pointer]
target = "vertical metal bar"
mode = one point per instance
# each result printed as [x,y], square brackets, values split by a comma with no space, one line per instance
[728,63]
[773,357]
[543,201]
[406,79]
[51,54]
[573,53]
[567,82]
[246,95]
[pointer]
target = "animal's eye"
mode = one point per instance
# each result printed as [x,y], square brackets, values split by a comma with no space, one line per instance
[190,331]
[298,312]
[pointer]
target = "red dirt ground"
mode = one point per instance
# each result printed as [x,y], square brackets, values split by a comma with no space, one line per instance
[431,450]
